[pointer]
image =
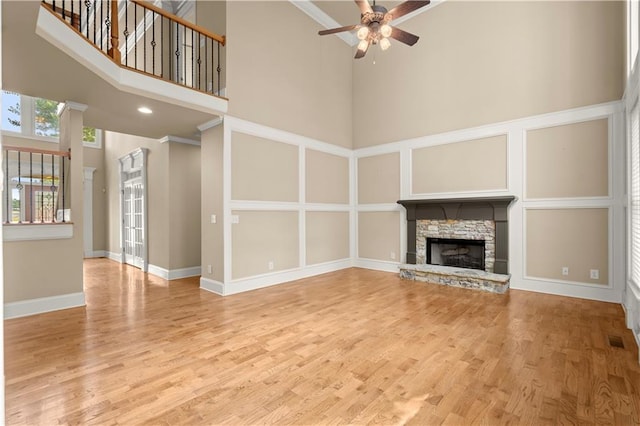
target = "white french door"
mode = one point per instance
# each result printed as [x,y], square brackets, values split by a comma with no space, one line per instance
[133,222]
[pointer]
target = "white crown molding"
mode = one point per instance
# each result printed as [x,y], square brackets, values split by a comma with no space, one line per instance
[73,106]
[323,19]
[178,139]
[328,22]
[211,124]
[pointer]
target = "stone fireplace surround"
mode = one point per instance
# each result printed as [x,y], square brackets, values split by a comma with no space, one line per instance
[482,218]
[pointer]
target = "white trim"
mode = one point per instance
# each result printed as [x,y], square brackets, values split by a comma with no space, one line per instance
[59,34]
[95,254]
[41,305]
[87,224]
[72,106]
[211,124]
[381,207]
[116,257]
[174,274]
[243,126]
[590,292]
[226,201]
[328,22]
[631,305]
[552,119]
[37,232]
[325,20]
[265,280]
[377,265]
[213,286]
[178,139]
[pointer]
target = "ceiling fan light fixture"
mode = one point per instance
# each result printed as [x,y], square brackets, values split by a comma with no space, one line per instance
[386,30]
[362,33]
[363,45]
[385,43]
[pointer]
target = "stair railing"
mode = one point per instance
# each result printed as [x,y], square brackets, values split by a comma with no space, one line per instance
[141,36]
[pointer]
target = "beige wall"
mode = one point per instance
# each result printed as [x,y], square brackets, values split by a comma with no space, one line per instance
[94,157]
[327,236]
[475,165]
[575,238]
[379,179]
[212,239]
[568,161]
[261,237]
[262,169]
[280,73]
[184,206]
[379,235]
[485,62]
[117,145]
[46,268]
[327,178]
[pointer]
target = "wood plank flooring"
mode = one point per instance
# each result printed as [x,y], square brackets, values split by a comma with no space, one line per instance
[349,347]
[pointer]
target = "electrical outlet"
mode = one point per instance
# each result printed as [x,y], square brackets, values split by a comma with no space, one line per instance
[565,270]
[270,265]
[235,218]
[594,274]
[209,269]
[213,218]
[392,255]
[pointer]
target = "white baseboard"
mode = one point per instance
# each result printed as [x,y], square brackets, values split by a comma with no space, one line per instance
[266,280]
[174,274]
[377,265]
[631,306]
[117,257]
[213,286]
[95,253]
[40,305]
[590,292]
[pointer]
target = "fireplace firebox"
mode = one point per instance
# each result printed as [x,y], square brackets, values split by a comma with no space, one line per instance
[457,252]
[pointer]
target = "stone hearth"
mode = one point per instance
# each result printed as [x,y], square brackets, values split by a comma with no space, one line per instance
[483,219]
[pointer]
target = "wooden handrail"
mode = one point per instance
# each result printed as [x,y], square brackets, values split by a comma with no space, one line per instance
[37,151]
[172,17]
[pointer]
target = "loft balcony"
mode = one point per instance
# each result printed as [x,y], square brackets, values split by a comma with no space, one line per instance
[79,51]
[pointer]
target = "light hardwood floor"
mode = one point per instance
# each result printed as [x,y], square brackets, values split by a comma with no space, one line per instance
[349,347]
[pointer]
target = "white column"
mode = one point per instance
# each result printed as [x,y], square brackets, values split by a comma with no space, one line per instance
[87,186]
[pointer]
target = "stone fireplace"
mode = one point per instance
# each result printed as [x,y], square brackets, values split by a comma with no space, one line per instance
[461,242]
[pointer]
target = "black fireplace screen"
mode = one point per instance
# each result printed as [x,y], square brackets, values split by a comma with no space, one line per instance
[456,252]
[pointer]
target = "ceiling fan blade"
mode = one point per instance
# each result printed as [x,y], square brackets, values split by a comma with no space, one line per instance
[407,7]
[403,36]
[364,6]
[361,53]
[338,30]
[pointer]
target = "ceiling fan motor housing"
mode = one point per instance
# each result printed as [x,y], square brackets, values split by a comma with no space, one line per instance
[377,15]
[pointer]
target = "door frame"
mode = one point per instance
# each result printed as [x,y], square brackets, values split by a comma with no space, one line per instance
[132,166]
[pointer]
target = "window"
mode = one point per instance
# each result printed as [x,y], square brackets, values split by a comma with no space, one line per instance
[634,194]
[38,117]
[633,26]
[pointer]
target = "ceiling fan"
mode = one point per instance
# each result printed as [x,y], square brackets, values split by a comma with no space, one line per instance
[375,28]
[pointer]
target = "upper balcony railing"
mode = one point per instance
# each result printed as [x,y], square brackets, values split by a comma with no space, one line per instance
[146,38]
[36,183]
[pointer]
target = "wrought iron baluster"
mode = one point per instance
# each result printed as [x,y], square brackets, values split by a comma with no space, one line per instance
[7,194]
[42,187]
[144,41]
[126,35]
[63,11]
[63,191]
[19,188]
[94,21]
[199,62]
[177,54]
[101,28]
[135,36]
[218,69]
[31,185]
[206,64]
[72,1]
[87,3]
[153,42]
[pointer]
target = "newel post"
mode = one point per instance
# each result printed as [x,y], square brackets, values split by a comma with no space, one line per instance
[114,52]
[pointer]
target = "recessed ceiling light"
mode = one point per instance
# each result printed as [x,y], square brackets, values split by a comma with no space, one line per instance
[145,110]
